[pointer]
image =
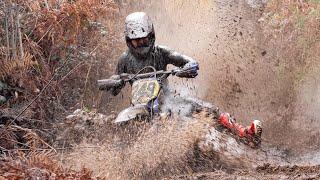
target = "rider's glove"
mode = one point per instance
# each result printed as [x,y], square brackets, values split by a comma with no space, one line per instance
[115,90]
[120,83]
[189,70]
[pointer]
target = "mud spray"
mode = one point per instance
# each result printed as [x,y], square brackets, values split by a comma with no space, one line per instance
[239,72]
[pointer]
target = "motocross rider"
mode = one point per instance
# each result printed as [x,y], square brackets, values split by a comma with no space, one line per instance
[142,52]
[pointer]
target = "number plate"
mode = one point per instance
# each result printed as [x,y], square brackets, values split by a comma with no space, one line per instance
[145,90]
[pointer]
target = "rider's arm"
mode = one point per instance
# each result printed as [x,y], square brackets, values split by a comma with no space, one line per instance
[175,58]
[188,65]
[121,68]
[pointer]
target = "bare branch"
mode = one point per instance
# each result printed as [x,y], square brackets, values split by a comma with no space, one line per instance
[6,9]
[13,41]
[20,36]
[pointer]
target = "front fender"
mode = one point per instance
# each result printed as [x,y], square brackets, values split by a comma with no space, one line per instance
[132,113]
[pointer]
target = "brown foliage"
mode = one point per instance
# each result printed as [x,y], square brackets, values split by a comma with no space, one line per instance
[41,35]
[38,38]
[56,29]
[37,166]
[11,66]
[7,138]
[17,137]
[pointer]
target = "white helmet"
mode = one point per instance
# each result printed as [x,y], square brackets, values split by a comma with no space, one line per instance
[138,26]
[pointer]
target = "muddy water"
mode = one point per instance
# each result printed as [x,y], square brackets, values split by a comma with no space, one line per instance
[165,148]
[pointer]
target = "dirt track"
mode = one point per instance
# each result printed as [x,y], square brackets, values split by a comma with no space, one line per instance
[174,149]
[243,69]
[240,73]
[263,172]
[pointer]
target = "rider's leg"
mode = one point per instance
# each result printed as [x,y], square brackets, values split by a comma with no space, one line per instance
[254,129]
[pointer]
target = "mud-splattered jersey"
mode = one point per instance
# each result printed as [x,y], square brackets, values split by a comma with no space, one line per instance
[159,58]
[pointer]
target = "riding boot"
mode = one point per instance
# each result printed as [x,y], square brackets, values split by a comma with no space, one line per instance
[230,123]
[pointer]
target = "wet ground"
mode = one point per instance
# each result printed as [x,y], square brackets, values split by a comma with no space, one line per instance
[175,148]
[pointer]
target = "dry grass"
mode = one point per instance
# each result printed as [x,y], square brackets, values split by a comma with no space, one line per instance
[166,147]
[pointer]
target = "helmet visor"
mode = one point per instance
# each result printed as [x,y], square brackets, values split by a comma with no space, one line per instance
[140,42]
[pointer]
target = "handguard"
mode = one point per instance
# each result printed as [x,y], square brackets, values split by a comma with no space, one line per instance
[190,70]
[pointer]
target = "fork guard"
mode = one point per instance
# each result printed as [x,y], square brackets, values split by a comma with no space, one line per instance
[132,113]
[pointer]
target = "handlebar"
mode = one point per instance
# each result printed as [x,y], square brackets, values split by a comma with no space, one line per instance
[129,77]
[106,84]
[186,71]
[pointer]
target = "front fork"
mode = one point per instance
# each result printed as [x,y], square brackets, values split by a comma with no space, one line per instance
[153,107]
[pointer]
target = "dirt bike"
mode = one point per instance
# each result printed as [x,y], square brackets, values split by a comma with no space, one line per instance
[146,88]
